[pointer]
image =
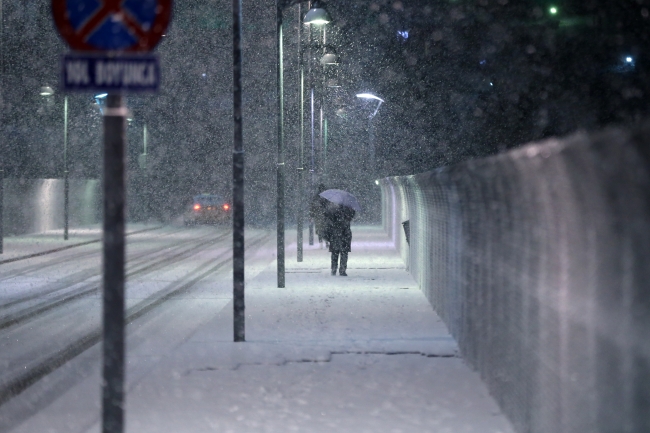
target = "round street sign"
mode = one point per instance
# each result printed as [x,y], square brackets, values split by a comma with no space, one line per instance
[112,25]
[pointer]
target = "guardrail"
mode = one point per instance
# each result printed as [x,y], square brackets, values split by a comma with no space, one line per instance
[538,261]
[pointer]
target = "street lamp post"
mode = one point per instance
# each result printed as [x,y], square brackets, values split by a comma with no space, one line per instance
[66,182]
[2,187]
[372,171]
[47,91]
[280,4]
[316,15]
[2,95]
[144,147]
[239,317]
[301,152]
[142,162]
[311,130]
[329,59]
[371,135]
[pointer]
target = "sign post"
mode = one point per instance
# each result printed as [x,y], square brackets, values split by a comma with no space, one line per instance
[111,40]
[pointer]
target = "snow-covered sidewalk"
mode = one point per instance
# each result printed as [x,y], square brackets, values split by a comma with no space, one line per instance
[327,353]
[363,353]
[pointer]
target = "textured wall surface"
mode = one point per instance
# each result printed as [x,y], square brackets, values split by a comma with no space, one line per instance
[36,205]
[538,260]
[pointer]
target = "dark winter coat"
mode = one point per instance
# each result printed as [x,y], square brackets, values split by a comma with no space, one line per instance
[337,230]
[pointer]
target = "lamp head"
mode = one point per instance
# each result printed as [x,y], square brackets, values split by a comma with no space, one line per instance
[369,96]
[330,57]
[317,14]
[46,91]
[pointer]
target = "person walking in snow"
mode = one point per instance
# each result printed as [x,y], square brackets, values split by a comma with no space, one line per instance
[339,235]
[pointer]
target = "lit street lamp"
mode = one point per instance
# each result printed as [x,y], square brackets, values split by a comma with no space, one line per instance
[371,132]
[301,152]
[371,99]
[100,100]
[47,91]
[319,16]
[329,60]
[316,15]
[66,181]
[329,56]
[144,143]
[371,96]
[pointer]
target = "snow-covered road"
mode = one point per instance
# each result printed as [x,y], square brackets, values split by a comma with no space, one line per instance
[50,304]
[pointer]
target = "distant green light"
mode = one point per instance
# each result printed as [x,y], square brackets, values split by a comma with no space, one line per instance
[553,10]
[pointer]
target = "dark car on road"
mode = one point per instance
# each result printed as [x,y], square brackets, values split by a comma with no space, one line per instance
[207,209]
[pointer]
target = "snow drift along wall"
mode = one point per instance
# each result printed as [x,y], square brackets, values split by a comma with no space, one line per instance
[36,205]
[538,260]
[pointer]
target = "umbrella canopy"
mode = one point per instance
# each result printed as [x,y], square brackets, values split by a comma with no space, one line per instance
[341,197]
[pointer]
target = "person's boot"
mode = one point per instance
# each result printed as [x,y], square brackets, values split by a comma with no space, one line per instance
[344,265]
[335,262]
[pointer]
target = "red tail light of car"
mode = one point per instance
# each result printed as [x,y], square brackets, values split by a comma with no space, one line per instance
[226,207]
[197,207]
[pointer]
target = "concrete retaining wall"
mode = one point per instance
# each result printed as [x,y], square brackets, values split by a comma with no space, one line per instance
[538,260]
[36,205]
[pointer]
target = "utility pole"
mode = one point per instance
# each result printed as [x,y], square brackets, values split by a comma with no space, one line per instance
[238,180]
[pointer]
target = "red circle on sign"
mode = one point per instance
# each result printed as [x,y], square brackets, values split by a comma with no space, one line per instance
[146,39]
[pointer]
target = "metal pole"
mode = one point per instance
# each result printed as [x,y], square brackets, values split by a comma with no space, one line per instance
[238,180]
[146,196]
[325,147]
[66,182]
[311,170]
[371,130]
[321,141]
[311,123]
[2,196]
[113,264]
[145,184]
[2,144]
[321,96]
[280,163]
[144,142]
[301,164]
